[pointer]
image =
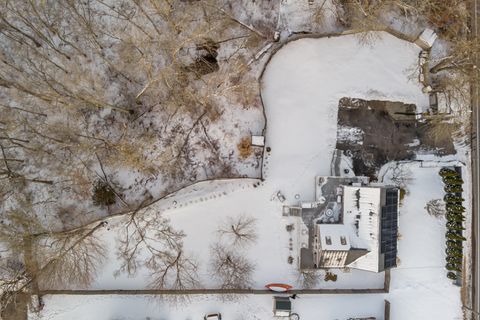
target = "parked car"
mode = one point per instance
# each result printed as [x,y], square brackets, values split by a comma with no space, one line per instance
[213,316]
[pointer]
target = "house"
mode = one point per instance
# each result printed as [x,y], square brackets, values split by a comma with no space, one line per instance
[352,224]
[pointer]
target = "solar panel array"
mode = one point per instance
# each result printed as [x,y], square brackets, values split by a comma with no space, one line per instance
[389,228]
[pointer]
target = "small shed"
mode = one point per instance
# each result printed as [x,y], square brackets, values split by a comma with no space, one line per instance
[282,307]
[440,102]
[426,39]
[258,141]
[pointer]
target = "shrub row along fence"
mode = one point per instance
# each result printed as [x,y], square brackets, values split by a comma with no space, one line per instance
[455,218]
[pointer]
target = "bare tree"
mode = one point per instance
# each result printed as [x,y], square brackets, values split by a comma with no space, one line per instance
[436,208]
[239,230]
[44,258]
[308,278]
[176,271]
[69,259]
[149,241]
[230,268]
[401,175]
[12,277]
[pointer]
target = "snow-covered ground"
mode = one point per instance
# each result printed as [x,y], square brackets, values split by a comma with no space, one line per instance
[200,222]
[419,287]
[301,89]
[257,307]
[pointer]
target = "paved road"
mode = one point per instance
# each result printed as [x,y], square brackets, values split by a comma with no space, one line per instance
[475,174]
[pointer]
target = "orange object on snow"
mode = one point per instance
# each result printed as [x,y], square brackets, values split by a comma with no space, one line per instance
[278,287]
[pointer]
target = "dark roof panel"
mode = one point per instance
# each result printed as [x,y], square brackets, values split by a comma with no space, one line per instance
[389,229]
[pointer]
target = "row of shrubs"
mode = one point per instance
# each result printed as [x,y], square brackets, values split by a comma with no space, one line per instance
[455,217]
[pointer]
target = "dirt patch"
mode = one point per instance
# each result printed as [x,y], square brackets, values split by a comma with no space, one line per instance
[245,148]
[374,132]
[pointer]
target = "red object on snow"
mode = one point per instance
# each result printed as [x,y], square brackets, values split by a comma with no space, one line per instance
[278,287]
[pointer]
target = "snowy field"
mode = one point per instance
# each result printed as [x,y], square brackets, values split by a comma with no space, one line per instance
[257,307]
[301,89]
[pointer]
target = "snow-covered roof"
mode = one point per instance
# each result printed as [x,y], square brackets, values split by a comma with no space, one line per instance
[427,38]
[362,210]
[258,141]
[333,237]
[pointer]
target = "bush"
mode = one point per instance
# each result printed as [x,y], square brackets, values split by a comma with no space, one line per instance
[450,188]
[103,194]
[453,181]
[455,225]
[454,252]
[245,148]
[452,267]
[453,244]
[454,236]
[445,172]
[454,216]
[456,210]
[453,205]
[452,199]
[457,207]
[452,275]
[329,276]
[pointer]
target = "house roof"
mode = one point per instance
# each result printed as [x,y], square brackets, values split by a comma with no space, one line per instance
[428,36]
[333,237]
[362,212]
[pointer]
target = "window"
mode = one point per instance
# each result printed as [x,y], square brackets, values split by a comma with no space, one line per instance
[328,240]
[343,241]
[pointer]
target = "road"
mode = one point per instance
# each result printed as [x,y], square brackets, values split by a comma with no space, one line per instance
[475,93]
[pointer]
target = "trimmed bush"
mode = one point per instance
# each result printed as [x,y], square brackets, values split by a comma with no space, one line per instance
[454,216]
[453,199]
[445,172]
[455,252]
[451,275]
[454,244]
[454,208]
[453,188]
[455,225]
[454,236]
[453,181]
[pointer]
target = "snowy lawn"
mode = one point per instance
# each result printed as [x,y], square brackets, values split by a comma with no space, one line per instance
[301,89]
[256,307]
[419,286]
[200,221]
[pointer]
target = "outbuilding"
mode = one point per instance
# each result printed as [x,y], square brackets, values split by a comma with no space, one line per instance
[282,307]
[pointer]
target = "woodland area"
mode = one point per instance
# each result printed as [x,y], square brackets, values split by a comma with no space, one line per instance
[108,105]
